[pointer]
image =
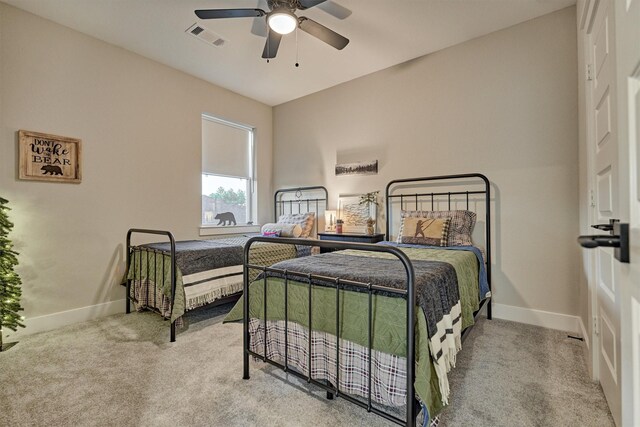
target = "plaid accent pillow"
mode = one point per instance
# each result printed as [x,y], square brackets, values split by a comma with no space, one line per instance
[304,220]
[460,228]
[425,231]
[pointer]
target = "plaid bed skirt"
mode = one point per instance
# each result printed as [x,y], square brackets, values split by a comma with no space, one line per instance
[389,373]
[146,296]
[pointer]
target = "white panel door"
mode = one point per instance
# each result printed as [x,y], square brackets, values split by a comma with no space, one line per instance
[627,15]
[604,175]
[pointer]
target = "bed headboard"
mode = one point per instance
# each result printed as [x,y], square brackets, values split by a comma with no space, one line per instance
[470,191]
[302,200]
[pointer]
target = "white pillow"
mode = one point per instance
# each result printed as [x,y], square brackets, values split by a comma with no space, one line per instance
[285,230]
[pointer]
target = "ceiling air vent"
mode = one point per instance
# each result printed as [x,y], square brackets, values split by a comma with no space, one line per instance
[207,36]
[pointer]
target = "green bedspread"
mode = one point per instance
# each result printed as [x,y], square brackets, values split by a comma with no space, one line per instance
[389,328]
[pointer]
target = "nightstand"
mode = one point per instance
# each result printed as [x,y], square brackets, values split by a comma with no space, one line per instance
[349,237]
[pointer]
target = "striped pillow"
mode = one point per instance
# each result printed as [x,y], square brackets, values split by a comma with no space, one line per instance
[460,228]
[304,220]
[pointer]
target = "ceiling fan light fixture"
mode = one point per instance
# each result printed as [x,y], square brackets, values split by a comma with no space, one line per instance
[282,21]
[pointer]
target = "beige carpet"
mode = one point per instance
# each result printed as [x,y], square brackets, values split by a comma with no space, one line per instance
[511,374]
[122,371]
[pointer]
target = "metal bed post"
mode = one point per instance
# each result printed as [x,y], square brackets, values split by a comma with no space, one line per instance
[172,242]
[337,393]
[411,347]
[310,330]
[173,286]
[126,275]
[245,309]
[488,238]
[286,322]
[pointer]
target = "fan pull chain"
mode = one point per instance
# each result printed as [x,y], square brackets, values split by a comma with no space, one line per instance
[297,63]
[268,47]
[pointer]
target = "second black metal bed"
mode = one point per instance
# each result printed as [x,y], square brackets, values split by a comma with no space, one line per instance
[395,194]
[153,268]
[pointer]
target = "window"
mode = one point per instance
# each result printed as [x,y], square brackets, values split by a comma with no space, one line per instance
[227,173]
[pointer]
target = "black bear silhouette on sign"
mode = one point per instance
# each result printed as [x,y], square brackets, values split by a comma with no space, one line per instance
[225,217]
[51,170]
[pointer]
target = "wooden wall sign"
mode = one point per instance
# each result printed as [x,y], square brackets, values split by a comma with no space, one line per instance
[45,157]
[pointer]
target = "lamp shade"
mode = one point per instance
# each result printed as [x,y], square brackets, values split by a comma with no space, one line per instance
[282,21]
[330,220]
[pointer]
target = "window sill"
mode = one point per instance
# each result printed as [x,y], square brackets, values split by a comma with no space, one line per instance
[232,229]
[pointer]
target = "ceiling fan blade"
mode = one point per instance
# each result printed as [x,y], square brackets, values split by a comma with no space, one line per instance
[271,45]
[229,13]
[259,26]
[306,4]
[323,33]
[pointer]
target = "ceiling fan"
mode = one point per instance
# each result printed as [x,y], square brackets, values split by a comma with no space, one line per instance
[281,20]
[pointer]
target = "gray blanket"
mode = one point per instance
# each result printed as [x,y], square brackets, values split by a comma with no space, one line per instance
[436,282]
[194,256]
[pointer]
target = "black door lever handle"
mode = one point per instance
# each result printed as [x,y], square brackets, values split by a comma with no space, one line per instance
[595,241]
[603,227]
[618,239]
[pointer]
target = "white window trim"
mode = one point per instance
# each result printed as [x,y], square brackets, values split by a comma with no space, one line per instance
[212,230]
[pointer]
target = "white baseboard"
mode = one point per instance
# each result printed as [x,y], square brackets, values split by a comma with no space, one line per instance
[545,319]
[52,321]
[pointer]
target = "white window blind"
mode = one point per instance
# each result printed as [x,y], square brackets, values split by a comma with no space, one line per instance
[226,149]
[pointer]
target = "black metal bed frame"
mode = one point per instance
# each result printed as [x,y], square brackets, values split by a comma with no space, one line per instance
[279,203]
[409,294]
[416,199]
[148,252]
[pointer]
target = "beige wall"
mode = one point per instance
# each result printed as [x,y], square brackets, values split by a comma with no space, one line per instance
[140,126]
[504,104]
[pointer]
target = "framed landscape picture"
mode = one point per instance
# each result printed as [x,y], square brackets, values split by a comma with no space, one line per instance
[354,214]
[45,157]
[358,168]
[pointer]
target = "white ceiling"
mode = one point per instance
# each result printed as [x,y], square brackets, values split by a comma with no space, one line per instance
[382,33]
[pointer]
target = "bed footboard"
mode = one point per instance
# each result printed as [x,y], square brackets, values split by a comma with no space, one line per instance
[144,251]
[409,294]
